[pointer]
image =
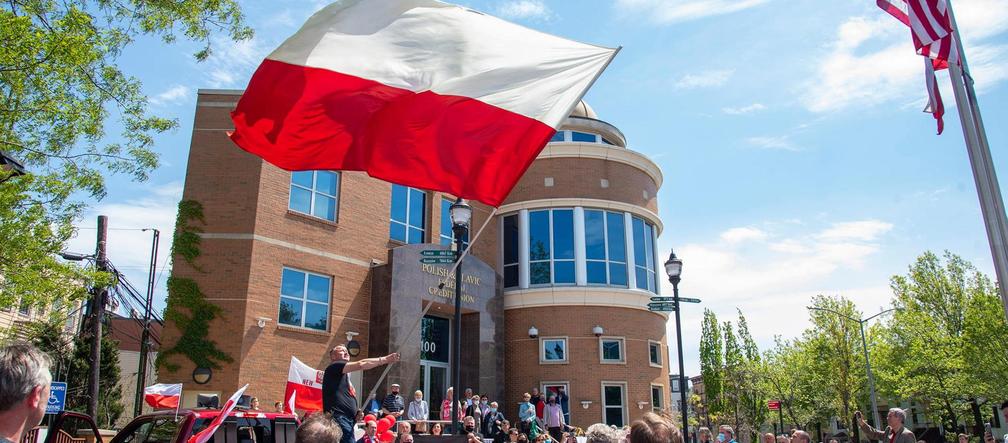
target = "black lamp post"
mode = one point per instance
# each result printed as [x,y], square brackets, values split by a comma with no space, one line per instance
[673,267]
[461,215]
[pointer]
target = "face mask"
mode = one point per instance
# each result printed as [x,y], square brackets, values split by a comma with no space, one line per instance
[720,437]
[470,428]
[483,402]
[493,410]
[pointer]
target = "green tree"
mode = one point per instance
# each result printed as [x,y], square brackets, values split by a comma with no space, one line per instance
[711,364]
[752,393]
[60,86]
[945,346]
[733,374]
[790,376]
[109,392]
[836,340]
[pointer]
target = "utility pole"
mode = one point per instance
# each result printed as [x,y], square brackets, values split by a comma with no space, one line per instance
[145,335]
[97,311]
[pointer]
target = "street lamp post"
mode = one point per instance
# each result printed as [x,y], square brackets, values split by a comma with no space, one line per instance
[461,215]
[864,348]
[673,267]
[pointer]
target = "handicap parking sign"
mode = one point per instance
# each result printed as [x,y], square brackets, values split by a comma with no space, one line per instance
[57,397]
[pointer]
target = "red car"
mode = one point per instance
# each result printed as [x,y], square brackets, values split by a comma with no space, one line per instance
[168,427]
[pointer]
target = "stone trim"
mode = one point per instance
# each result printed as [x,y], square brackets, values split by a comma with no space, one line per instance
[604,152]
[284,244]
[579,296]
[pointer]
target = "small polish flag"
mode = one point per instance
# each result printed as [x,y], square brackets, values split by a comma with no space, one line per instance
[306,382]
[204,435]
[163,396]
[415,92]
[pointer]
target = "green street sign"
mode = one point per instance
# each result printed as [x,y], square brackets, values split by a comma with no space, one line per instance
[661,306]
[438,260]
[663,299]
[437,253]
[689,300]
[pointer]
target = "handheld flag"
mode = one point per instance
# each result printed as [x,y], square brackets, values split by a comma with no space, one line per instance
[417,92]
[163,396]
[304,387]
[204,435]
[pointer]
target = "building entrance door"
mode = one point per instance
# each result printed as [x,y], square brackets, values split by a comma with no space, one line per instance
[435,349]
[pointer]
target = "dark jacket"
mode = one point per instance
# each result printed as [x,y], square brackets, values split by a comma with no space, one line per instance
[490,427]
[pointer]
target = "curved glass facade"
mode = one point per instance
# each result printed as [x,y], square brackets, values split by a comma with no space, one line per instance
[578,247]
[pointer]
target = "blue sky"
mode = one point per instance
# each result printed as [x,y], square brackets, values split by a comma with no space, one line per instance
[796,159]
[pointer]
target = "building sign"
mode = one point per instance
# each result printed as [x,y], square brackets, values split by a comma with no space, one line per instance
[434,339]
[57,397]
[448,291]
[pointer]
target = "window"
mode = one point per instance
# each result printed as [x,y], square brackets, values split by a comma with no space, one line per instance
[315,193]
[549,388]
[657,404]
[435,333]
[409,212]
[611,350]
[510,246]
[654,351]
[605,248]
[551,246]
[643,237]
[24,309]
[304,299]
[614,403]
[558,137]
[553,350]
[447,234]
[583,137]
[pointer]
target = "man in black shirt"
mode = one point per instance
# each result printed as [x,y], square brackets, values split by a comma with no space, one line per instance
[338,395]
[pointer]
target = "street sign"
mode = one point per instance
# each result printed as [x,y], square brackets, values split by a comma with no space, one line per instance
[661,306]
[663,299]
[437,253]
[57,397]
[688,300]
[438,260]
[773,405]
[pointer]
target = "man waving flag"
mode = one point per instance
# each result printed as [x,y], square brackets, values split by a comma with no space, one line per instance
[416,92]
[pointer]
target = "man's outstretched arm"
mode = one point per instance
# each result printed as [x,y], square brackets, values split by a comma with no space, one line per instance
[369,363]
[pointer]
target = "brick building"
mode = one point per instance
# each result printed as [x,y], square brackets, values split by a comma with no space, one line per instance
[300,262]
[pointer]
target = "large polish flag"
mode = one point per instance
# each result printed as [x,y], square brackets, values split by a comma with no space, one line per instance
[163,396]
[304,387]
[416,92]
[204,435]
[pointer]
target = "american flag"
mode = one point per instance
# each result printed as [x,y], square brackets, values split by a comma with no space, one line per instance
[933,37]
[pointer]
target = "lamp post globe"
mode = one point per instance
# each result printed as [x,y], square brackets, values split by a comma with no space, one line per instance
[460,213]
[673,267]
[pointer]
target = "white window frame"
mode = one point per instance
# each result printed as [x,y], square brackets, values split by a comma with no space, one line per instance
[545,393]
[623,388]
[552,252]
[305,301]
[623,351]
[661,398]
[607,260]
[661,358]
[542,351]
[313,192]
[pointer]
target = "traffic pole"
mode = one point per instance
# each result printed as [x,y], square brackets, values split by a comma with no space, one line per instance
[145,335]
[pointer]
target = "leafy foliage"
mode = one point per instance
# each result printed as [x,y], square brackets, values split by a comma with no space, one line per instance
[59,87]
[711,362]
[187,306]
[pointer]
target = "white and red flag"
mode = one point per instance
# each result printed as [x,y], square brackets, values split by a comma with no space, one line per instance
[304,387]
[416,92]
[933,37]
[163,396]
[204,435]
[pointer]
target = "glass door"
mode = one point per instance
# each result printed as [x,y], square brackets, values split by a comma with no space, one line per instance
[435,346]
[435,383]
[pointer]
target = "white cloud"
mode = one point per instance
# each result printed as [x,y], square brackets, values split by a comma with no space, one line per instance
[174,95]
[773,280]
[231,64]
[782,142]
[864,230]
[748,109]
[872,61]
[738,235]
[705,79]
[673,11]
[128,247]
[524,9]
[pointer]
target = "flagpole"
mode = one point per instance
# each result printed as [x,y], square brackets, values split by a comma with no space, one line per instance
[988,188]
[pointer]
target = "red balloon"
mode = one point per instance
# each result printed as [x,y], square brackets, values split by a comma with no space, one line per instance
[369,418]
[390,418]
[386,437]
[383,425]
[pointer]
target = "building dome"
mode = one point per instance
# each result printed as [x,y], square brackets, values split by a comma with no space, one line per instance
[583,110]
